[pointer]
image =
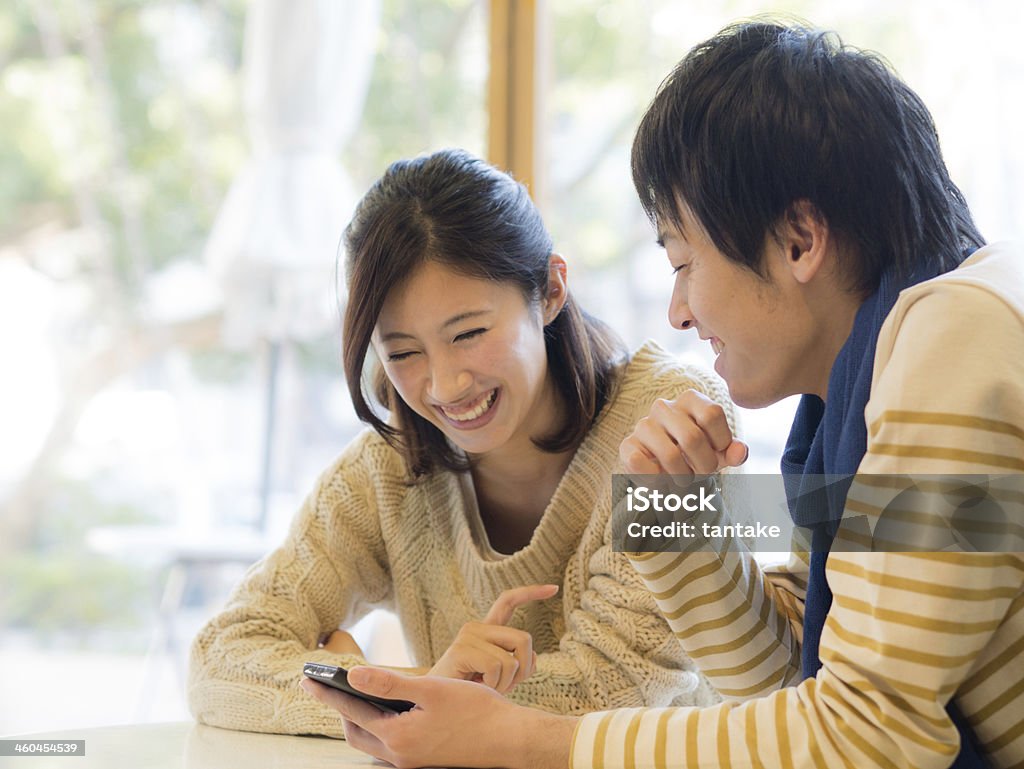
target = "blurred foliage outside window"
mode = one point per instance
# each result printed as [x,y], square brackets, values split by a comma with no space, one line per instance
[607,59]
[121,129]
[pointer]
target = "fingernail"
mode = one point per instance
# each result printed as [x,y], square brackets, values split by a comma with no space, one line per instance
[358,676]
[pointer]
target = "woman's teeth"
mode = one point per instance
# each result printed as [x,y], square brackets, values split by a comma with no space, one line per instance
[717,346]
[475,412]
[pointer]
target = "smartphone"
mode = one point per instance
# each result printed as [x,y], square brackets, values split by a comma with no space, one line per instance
[337,678]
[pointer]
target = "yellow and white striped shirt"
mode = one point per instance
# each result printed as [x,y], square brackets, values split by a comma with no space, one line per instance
[906,631]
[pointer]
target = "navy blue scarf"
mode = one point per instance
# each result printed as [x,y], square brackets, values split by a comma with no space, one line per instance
[830,439]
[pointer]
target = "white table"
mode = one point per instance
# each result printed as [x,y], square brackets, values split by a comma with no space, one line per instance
[189,746]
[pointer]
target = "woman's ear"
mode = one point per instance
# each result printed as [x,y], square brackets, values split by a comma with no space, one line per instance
[558,290]
[805,240]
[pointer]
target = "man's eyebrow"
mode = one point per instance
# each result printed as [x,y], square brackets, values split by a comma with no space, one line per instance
[393,335]
[675,235]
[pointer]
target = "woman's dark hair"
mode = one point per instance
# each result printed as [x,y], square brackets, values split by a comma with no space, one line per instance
[457,210]
[763,115]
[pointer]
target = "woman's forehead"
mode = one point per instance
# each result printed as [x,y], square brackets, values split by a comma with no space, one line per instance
[436,295]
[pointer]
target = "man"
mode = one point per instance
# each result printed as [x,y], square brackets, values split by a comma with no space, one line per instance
[819,244]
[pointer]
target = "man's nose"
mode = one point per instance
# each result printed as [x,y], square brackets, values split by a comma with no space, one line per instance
[679,315]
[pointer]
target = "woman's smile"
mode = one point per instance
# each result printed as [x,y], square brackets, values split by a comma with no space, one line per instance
[472,358]
[473,414]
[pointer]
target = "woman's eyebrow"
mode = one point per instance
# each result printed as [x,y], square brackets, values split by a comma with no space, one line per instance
[464,316]
[393,335]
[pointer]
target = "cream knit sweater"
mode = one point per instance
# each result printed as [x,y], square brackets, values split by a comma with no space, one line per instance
[365,538]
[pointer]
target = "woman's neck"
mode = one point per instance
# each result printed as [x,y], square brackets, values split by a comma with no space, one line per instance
[515,482]
[513,491]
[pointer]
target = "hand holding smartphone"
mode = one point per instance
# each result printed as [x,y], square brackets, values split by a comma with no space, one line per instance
[337,678]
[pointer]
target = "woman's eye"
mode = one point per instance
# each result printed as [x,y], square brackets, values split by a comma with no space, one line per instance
[397,356]
[470,334]
[680,267]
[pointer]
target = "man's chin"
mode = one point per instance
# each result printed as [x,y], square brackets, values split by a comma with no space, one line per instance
[752,398]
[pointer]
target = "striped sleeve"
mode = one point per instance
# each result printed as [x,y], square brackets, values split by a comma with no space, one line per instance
[903,635]
[740,624]
[907,631]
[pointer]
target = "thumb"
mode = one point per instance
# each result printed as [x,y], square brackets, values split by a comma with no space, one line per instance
[388,684]
[736,454]
[506,604]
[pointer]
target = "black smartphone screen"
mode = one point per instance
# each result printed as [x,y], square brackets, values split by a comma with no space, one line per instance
[337,678]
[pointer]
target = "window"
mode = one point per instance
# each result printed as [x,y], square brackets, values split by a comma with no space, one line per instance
[135,395]
[605,61]
[125,128]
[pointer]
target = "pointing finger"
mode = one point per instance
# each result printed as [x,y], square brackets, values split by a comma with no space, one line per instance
[506,604]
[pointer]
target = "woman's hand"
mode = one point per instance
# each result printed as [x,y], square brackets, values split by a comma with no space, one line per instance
[341,642]
[686,436]
[491,653]
[454,723]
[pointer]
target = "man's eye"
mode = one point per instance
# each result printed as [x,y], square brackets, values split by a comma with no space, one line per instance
[470,334]
[680,267]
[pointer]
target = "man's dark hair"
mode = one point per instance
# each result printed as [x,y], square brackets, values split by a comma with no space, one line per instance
[455,209]
[763,115]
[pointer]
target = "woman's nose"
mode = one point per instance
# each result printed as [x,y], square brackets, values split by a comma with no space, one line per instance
[449,384]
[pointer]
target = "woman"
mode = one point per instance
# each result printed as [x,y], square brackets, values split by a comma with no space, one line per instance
[506,405]
[821,247]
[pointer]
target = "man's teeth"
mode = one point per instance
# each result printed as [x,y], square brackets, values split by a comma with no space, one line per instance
[474,413]
[717,346]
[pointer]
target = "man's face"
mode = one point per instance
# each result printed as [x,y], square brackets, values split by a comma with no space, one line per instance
[761,330]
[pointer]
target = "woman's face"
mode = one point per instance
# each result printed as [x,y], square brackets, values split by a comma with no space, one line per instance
[772,338]
[467,354]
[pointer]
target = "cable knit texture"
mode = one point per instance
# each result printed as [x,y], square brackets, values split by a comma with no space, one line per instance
[365,538]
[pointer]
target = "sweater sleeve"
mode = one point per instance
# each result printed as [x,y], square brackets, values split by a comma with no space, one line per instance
[739,621]
[246,663]
[906,631]
[617,650]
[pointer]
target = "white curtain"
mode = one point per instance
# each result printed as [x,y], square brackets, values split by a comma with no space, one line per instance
[307,66]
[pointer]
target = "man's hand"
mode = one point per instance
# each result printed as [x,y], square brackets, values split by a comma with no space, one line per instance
[454,723]
[491,653]
[686,436]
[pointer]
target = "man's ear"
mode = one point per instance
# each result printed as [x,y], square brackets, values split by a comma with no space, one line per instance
[558,290]
[804,236]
